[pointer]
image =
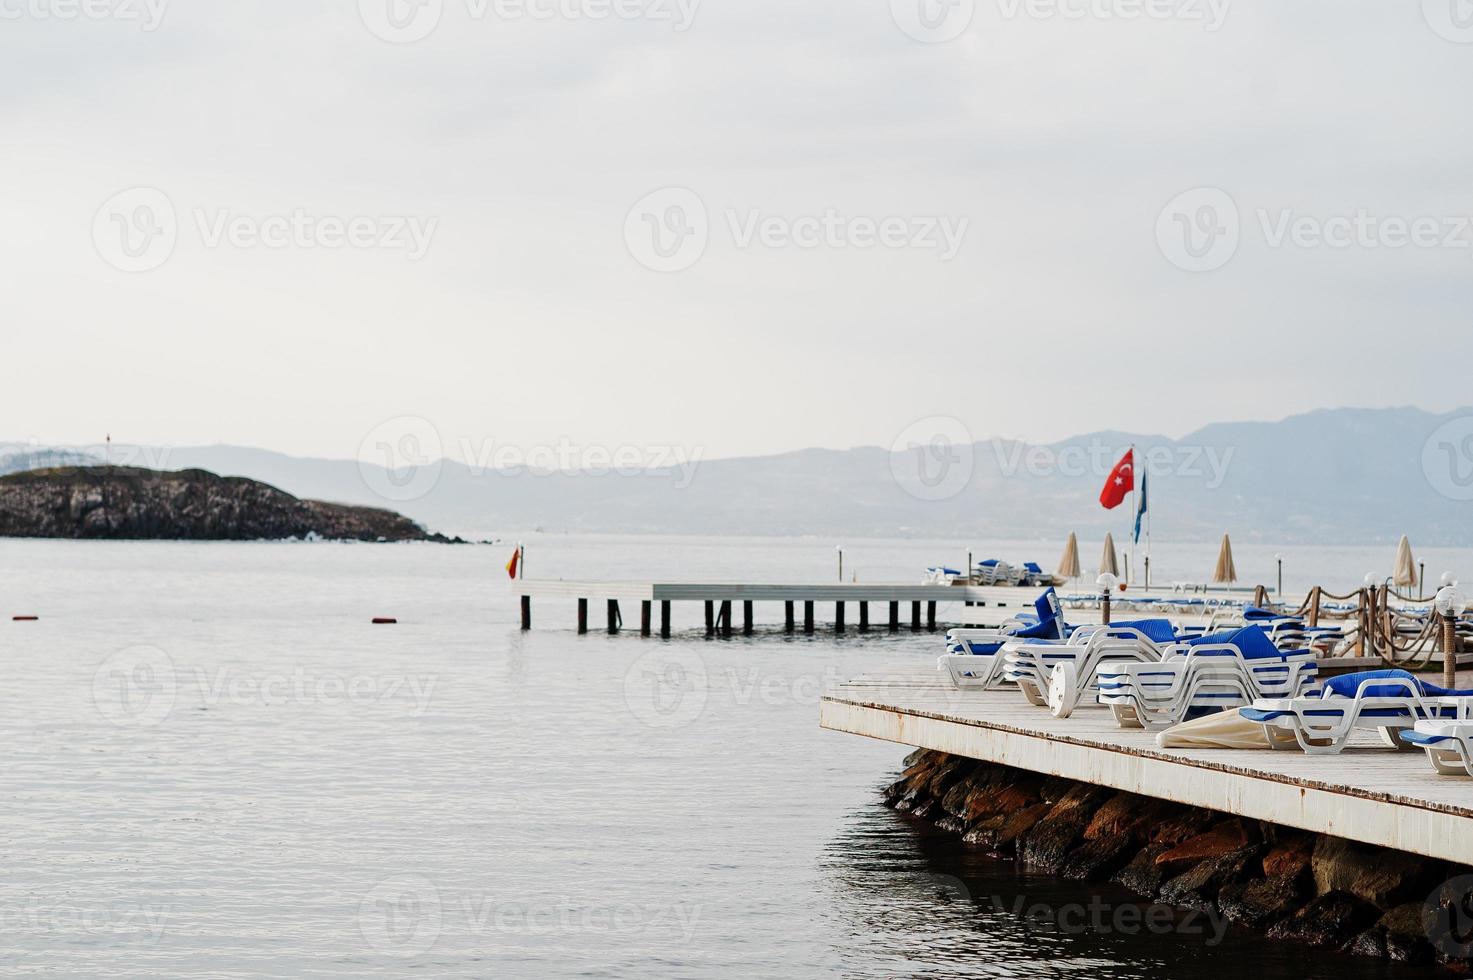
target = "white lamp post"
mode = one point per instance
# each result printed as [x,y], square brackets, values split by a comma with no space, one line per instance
[1107,584]
[1450,604]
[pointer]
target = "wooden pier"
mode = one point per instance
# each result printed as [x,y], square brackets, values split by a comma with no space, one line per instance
[895,606]
[1368,793]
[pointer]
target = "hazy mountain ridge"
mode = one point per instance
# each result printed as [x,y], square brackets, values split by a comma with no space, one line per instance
[1329,476]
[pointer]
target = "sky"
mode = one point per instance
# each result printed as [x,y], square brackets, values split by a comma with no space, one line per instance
[733,226]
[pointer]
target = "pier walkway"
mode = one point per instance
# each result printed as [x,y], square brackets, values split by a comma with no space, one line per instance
[1368,793]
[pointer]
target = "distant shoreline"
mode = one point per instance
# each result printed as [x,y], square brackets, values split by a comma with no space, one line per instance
[117,503]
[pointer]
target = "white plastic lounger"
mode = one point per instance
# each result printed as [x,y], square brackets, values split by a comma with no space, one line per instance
[1203,679]
[1032,665]
[1448,744]
[1389,701]
[974,656]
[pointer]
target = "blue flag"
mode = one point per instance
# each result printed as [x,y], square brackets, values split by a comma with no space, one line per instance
[1141,510]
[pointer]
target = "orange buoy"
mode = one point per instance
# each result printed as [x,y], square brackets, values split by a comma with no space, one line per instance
[24,619]
[384,620]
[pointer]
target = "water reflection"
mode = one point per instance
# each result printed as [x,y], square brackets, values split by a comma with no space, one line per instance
[913,901]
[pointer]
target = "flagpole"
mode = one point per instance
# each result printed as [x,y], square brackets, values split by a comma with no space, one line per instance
[1135,483]
[1148,544]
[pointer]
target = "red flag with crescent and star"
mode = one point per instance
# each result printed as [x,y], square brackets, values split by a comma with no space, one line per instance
[1120,482]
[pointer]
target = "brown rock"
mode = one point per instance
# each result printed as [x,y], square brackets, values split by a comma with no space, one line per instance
[947,775]
[1262,902]
[984,832]
[1098,858]
[1124,814]
[1400,935]
[1289,854]
[1180,824]
[1002,797]
[1141,874]
[1016,825]
[1198,887]
[904,793]
[1050,841]
[1381,876]
[1330,920]
[955,800]
[1222,839]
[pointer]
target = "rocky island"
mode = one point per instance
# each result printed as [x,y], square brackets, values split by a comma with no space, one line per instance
[125,502]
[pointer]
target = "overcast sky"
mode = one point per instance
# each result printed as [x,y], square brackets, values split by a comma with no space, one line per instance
[738,225]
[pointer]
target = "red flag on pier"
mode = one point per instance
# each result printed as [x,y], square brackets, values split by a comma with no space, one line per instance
[1121,481]
[511,566]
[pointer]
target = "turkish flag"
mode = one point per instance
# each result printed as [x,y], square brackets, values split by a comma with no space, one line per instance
[1120,483]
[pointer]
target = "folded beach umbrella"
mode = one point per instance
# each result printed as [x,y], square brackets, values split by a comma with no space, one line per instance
[1405,575]
[1226,571]
[1108,561]
[1069,564]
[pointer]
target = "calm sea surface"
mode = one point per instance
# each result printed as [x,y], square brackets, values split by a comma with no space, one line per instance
[213,765]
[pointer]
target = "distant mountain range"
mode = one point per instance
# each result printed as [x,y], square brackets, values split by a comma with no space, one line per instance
[1327,477]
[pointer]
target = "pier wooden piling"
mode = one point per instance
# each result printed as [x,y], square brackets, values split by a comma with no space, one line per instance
[719,599]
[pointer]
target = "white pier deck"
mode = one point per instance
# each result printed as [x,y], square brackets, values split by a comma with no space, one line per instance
[1368,793]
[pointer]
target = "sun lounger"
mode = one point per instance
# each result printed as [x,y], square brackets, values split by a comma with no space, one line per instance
[1449,744]
[1202,676]
[1390,702]
[1032,665]
[973,656]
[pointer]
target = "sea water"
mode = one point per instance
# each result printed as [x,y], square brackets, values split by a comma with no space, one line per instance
[213,764]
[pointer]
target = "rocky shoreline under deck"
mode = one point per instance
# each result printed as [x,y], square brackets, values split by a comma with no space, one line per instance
[1292,885]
